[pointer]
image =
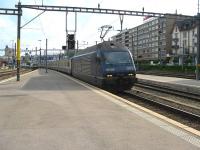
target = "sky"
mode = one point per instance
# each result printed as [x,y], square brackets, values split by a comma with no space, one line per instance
[52,25]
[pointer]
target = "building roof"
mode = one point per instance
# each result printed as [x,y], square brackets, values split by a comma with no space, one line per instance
[186,24]
[3,59]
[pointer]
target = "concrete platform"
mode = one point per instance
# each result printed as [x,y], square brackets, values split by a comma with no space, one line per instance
[188,85]
[54,112]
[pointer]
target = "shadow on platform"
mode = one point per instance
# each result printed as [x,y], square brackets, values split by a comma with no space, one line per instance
[51,83]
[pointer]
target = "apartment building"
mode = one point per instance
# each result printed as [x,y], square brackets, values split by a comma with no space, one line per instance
[184,42]
[151,40]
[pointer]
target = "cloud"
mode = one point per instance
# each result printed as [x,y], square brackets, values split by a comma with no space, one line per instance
[2,23]
[8,29]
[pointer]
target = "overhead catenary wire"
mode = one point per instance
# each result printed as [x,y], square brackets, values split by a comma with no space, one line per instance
[41,24]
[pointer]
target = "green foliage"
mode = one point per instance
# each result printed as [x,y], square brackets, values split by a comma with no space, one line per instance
[188,60]
[176,68]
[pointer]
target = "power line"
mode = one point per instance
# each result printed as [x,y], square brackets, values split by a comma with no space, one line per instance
[41,25]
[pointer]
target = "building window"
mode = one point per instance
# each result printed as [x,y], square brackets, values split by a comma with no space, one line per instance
[184,34]
[192,50]
[193,42]
[164,31]
[193,32]
[176,35]
[176,29]
[184,43]
[126,37]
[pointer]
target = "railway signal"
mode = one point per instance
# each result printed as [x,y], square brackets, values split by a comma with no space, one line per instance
[71,41]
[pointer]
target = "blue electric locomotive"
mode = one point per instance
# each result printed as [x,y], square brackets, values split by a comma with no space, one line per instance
[107,65]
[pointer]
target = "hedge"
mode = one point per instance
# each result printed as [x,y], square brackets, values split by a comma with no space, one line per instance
[176,68]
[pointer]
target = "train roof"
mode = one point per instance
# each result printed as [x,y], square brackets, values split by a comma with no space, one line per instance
[104,46]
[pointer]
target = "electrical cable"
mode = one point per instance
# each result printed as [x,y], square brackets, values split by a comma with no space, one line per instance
[41,25]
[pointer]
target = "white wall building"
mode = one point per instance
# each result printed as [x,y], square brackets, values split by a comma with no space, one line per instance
[184,42]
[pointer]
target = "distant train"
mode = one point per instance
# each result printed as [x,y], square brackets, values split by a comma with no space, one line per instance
[106,65]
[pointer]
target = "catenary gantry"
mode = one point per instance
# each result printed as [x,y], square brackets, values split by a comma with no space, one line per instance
[96,10]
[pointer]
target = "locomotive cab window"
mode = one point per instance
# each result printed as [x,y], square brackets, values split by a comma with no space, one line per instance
[117,57]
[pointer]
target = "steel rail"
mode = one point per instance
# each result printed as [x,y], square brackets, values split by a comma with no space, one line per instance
[4,73]
[10,73]
[166,106]
[167,90]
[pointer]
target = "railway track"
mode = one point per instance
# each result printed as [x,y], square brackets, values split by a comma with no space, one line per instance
[167,90]
[167,102]
[10,73]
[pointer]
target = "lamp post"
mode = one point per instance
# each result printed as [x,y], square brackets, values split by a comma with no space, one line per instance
[46,55]
[40,51]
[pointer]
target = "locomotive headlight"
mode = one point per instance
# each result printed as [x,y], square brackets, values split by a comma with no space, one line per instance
[110,69]
[109,75]
[130,74]
[129,68]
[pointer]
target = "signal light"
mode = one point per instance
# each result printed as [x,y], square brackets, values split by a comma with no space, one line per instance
[71,41]
[71,44]
[109,75]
